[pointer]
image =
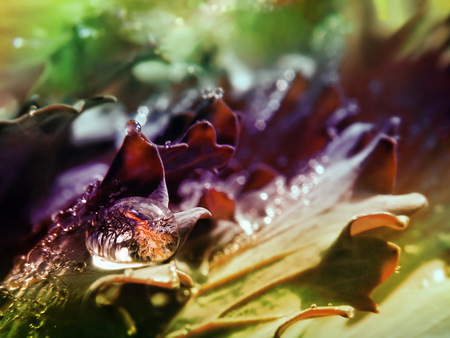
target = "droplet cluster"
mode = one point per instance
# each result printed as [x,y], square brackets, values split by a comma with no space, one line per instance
[216,93]
[257,209]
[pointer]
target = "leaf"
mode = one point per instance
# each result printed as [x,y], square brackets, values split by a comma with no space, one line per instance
[421,300]
[255,281]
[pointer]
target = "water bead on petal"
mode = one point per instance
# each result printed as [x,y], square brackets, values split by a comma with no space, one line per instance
[134,230]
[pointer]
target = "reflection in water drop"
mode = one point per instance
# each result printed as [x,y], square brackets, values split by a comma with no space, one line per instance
[134,230]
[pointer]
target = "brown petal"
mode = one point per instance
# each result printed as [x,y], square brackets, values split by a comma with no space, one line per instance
[219,204]
[355,264]
[379,169]
[198,150]
[136,170]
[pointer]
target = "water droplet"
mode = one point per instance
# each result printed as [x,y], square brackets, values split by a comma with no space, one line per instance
[159,299]
[209,93]
[167,144]
[319,169]
[191,69]
[274,104]
[183,295]
[179,21]
[241,180]
[350,313]
[18,42]
[353,106]
[206,93]
[133,127]
[32,110]
[36,322]
[143,110]
[398,268]
[289,74]
[68,228]
[282,85]
[133,230]
[43,269]
[79,266]
[334,77]
[260,125]
[330,304]
[313,306]
[13,285]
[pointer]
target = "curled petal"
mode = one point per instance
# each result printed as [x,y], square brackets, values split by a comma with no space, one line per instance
[187,219]
[137,170]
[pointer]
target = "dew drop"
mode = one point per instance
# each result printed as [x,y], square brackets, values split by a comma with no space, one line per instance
[218,93]
[353,106]
[206,93]
[241,180]
[289,74]
[167,144]
[134,230]
[143,110]
[350,313]
[313,306]
[260,125]
[209,93]
[13,285]
[36,323]
[133,127]
[183,295]
[79,266]
[159,299]
[320,169]
[282,85]
[333,77]
[191,69]
[18,42]
[43,269]
[32,110]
